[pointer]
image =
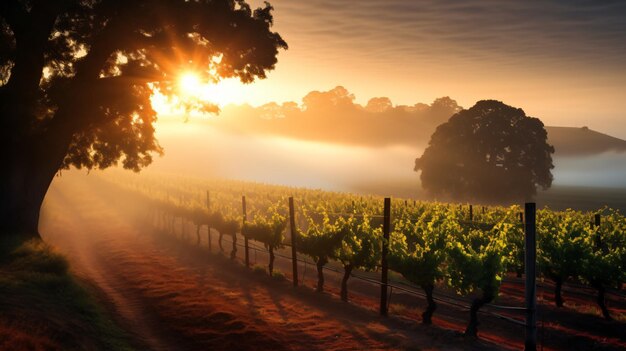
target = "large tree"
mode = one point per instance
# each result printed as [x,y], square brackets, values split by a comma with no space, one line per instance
[491,153]
[76,77]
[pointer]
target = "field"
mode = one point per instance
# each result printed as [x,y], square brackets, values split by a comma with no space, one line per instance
[176,293]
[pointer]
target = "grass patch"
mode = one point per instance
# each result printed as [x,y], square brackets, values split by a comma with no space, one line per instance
[42,307]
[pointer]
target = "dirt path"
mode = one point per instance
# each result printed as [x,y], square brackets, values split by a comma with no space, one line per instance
[173,297]
[81,234]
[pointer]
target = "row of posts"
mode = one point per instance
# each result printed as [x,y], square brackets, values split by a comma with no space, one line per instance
[529,264]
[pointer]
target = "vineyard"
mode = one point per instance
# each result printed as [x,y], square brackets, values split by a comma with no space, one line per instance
[463,249]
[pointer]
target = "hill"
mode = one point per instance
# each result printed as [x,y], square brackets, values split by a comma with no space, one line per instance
[335,118]
[570,141]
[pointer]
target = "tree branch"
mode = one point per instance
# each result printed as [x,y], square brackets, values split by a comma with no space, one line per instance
[14,14]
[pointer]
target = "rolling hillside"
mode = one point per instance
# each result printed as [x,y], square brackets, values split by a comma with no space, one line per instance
[570,141]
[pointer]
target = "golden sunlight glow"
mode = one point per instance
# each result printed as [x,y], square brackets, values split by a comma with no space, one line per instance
[190,87]
[189,84]
[228,91]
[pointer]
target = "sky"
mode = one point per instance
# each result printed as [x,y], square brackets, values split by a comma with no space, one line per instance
[561,61]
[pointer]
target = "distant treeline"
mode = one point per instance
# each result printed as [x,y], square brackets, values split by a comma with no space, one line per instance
[333,116]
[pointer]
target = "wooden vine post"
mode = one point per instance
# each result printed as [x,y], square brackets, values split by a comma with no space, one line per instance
[530,288]
[245,236]
[383,263]
[294,235]
[596,223]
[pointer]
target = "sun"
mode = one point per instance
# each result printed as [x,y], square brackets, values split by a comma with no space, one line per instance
[189,84]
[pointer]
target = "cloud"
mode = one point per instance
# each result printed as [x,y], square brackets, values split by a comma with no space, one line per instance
[512,32]
[562,60]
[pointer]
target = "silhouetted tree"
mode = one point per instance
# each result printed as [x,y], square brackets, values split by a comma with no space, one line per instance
[76,78]
[336,98]
[379,104]
[441,109]
[491,152]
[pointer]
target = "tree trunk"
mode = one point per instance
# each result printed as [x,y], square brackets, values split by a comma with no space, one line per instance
[558,299]
[233,253]
[30,157]
[347,270]
[219,242]
[24,181]
[472,327]
[432,305]
[198,234]
[271,265]
[19,215]
[601,301]
[320,275]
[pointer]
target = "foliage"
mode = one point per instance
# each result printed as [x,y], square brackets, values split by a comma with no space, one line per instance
[491,152]
[417,246]
[360,244]
[562,244]
[268,230]
[478,263]
[604,266]
[605,261]
[360,247]
[320,239]
[417,251]
[77,77]
[478,259]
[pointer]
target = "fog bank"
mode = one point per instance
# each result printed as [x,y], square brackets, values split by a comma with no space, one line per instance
[199,149]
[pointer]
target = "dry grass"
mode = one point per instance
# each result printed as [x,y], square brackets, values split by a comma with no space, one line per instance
[42,307]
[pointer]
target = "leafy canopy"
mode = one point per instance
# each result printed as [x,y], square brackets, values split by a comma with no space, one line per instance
[491,152]
[81,72]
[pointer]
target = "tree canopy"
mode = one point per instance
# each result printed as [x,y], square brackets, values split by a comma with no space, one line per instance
[491,152]
[76,77]
[334,116]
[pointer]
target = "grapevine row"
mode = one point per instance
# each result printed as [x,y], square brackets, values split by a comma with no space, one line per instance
[431,244]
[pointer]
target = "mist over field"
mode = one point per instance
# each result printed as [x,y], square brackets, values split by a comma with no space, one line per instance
[329,140]
[200,148]
[603,170]
[279,160]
